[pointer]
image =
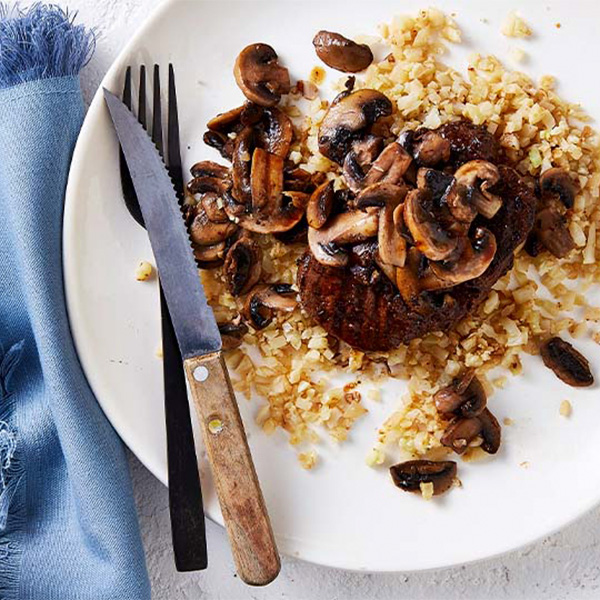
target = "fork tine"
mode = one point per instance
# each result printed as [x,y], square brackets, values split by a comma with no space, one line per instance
[157,136]
[173,147]
[127,89]
[142,97]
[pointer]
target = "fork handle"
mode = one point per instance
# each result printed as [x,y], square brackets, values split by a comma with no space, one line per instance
[242,504]
[185,494]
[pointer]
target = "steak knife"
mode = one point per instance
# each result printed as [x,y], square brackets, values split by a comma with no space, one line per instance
[242,504]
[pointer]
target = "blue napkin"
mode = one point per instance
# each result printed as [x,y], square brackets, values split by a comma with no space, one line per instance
[68,528]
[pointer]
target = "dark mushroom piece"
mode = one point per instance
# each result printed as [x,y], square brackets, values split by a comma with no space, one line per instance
[427,147]
[352,227]
[390,166]
[359,159]
[568,364]
[274,132]
[320,205]
[232,333]
[208,168]
[409,475]
[205,232]
[460,433]
[298,234]
[348,119]
[210,192]
[242,268]
[425,226]
[241,166]
[474,259]
[210,257]
[550,229]
[266,177]
[465,397]
[264,300]
[220,127]
[260,76]
[340,53]
[491,432]
[478,176]
[556,183]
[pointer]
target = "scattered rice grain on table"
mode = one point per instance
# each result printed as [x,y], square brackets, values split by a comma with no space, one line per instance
[287,364]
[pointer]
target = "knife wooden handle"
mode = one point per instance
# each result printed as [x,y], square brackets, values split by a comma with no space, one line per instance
[242,504]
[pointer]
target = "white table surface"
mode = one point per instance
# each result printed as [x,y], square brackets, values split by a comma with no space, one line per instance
[565,565]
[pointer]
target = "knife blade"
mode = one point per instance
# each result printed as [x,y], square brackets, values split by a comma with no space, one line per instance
[242,504]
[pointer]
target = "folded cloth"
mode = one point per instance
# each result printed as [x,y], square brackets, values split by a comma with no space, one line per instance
[68,528]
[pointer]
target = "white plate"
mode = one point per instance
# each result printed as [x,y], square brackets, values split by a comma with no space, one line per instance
[343,513]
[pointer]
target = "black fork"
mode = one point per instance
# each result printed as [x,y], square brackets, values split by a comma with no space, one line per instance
[185,495]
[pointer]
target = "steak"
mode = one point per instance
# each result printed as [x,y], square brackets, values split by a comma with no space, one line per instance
[361,306]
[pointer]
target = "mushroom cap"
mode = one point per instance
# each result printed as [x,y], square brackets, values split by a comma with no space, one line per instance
[232,333]
[263,300]
[260,76]
[381,194]
[364,151]
[557,182]
[430,238]
[243,268]
[241,160]
[340,53]
[473,260]
[205,232]
[429,148]
[348,118]
[551,230]
[478,176]
[320,205]
[210,257]
[409,475]
[390,166]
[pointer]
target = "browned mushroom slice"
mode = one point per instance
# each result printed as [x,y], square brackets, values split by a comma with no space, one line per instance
[390,166]
[348,118]
[391,242]
[242,267]
[381,194]
[359,159]
[219,130]
[428,147]
[319,205]
[278,215]
[568,364]
[210,192]
[551,230]
[210,257]
[431,239]
[232,333]
[204,232]
[478,176]
[266,178]
[461,398]
[264,300]
[260,76]
[242,165]
[556,183]
[491,432]
[409,475]
[342,54]
[274,132]
[460,433]
[346,228]
[208,168]
[473,261]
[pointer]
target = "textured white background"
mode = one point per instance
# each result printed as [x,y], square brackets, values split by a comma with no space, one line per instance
[566,565]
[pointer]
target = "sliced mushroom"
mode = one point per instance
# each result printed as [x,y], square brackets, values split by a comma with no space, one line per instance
[460,433]
[568,364]
[298,234]
[264,300]
[204,232]
[242,267]
[556,183]
[232,333]
[461,398]
[478,176]
[390,166]
[428,147]
[208,168]
[241,166]
[266,177]
[474,259]
[364,152]
[491,432]
[210,193]
[219,130]
[409,475]
[458,200]
[551,230]
[342,54]
[210,257]
[260,76]
[348,118]
[274,132]
[430,238]
[320,205]
[391,242]
[346,228]
[381,194]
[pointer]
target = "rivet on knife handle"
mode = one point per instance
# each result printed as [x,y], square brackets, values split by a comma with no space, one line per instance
[242,504]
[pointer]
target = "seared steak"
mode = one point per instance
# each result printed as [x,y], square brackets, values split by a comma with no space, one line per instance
[361,306]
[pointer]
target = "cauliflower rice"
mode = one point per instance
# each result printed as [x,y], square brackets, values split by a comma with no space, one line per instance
[287,364]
